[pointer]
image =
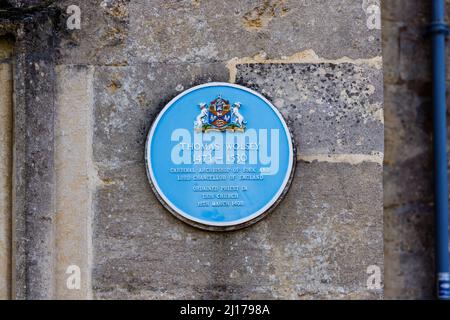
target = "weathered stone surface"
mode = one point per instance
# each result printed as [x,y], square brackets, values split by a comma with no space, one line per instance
[122,32]
[128,98]
[332,108]
[75,180]
[317,244]
[33,179]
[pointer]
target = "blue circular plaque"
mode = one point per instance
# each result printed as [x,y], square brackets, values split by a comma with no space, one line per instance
[220,156]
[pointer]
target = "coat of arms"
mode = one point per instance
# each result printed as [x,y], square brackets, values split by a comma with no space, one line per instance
[219,115]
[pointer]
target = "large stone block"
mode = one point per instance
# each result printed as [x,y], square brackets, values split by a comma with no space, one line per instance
[121,32]
[316,244]
[102,37]
[333,108]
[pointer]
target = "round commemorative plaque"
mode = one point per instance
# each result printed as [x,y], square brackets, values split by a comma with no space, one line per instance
[220,156]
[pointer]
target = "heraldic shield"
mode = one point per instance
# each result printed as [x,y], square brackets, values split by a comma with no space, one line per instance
[219,115]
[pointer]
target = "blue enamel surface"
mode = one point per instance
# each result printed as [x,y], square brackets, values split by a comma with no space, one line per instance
[180,194]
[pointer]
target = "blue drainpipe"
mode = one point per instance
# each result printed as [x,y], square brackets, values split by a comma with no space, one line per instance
[439,30]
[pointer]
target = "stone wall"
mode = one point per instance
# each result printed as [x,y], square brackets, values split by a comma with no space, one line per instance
[408,175]
[318,61]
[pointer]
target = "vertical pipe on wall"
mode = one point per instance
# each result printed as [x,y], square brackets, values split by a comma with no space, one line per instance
[439,32]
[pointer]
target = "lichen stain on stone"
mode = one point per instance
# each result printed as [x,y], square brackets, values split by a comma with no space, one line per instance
[114,85]
[141,99]
[114,36]
[107,181]
[305,56]
[260,16]
[116,8]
